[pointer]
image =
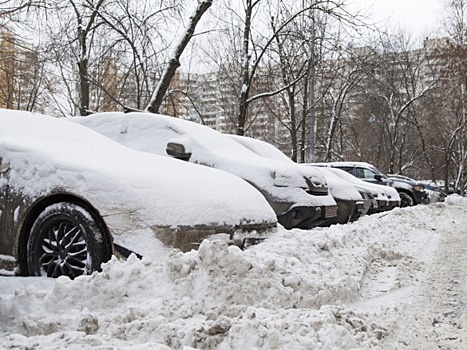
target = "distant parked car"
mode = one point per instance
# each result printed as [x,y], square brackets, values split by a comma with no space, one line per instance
[435,193]
[70,198]
[383,197]
[410,193]
[350,202]
[299,198]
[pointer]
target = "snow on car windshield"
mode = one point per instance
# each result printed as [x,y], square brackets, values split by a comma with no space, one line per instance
[259,147]
[150,133]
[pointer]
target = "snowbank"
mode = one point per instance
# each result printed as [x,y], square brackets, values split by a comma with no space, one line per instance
[327,288]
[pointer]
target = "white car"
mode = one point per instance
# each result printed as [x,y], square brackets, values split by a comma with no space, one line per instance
[350,202]
[299,198]
[70,198]
[384,197]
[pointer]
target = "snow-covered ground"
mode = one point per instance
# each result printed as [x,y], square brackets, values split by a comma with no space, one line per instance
[395,280]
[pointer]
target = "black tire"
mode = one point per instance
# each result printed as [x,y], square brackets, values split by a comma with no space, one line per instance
[406,199]
[66,240]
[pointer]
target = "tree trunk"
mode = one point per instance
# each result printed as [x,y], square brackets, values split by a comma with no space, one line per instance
[242,102]
[83,86]
[174,62]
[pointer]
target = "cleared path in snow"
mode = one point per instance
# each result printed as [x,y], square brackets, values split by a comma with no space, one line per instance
[437,318]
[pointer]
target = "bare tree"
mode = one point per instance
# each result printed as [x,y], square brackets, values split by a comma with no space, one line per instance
[454,97]
[107,53]
[86,21]
[174,61]
[345,76]
[139,43]
[9,9]
[398,88]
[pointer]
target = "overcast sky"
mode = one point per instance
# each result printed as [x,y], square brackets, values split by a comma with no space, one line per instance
[416,16]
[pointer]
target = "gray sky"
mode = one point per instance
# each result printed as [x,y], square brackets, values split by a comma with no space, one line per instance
[416,16]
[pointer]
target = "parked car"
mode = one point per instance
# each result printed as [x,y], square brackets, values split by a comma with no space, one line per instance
[410,193]
[70,198]
[350,202]
[299,198]
[383,197]
[435,193]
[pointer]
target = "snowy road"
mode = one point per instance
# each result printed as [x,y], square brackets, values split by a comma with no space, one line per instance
[438,317]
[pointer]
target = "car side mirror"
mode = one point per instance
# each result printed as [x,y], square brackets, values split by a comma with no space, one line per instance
[177,150]
[378,177]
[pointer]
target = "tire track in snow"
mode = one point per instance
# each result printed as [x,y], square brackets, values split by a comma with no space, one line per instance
[437,318]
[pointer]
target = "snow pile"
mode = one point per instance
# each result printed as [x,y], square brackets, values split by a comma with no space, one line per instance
[328,288]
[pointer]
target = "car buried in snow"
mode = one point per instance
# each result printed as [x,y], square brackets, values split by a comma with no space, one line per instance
[300,199]
[71,198]
[410,193]
[383,198]
[351,203]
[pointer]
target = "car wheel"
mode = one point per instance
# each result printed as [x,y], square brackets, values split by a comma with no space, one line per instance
[66,240]
[406,199]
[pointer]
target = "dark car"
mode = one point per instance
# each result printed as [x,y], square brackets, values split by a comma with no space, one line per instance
[410,192]
[435,192]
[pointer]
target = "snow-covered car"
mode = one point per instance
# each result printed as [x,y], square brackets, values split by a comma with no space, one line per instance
[434,192]
[383,197]
[410,193]
[299,199]
[350,203]
[70,198]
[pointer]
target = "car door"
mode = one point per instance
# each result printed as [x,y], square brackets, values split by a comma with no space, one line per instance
[9,212]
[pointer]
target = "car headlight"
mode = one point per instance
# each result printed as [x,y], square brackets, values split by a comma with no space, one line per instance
[418,188]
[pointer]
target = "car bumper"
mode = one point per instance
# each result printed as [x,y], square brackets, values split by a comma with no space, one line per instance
[359,210]
[347,210]
[420,197]
[305,217]
[378,206]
